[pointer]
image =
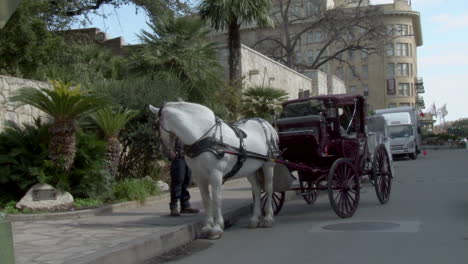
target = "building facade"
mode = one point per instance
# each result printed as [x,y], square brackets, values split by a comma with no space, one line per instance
[387,80]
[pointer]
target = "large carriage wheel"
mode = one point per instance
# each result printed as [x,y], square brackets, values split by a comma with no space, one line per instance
[343,188]
[382,174]
[309,191]
[277,201]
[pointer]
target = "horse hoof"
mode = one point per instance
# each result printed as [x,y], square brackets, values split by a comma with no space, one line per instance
[215,235]
[267,223]
[253,224]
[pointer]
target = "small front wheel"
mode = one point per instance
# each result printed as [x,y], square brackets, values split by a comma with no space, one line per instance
[278,199]
[343,188]
[309,191]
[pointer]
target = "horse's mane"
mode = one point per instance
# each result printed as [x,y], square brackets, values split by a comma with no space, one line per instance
[191,107]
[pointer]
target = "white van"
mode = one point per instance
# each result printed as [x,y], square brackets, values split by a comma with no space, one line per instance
[403,130]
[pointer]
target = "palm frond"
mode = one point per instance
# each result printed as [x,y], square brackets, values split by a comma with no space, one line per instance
[112,122]
[63,101]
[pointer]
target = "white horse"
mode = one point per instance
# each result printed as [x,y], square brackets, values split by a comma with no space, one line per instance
[192,122]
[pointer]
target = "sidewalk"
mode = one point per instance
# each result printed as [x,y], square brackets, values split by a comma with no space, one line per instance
[124,236]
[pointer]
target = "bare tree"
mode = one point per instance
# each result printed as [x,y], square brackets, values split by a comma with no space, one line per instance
[331,31]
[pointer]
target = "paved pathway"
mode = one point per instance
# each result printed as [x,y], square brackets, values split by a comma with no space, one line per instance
[86,240]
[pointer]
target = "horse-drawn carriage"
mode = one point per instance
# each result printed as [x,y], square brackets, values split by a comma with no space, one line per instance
[331,144]
[325,139]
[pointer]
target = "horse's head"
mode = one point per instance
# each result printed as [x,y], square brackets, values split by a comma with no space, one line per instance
[167,138]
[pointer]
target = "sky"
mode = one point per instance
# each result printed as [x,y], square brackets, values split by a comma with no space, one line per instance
[442,59]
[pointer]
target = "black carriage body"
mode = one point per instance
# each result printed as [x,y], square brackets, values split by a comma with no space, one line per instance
[316,131]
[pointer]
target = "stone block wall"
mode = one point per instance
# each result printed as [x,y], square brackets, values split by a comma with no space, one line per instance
[10,111]
[259,70]
[336,85]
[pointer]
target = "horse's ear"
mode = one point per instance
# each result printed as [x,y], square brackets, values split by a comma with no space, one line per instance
[153,109]
[179,99]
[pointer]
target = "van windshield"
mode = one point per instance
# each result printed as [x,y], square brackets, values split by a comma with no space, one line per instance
[402,131]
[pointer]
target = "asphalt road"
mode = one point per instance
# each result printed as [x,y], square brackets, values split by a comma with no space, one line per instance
[426,221]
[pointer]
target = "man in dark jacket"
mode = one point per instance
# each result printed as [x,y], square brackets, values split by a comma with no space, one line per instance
[180,181]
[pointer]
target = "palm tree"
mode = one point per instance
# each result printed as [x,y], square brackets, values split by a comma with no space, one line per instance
[262,101]
[111,123]
[230,15]
[65,104]
[178,47]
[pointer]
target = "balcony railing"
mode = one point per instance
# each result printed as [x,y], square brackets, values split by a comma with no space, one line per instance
[419,83]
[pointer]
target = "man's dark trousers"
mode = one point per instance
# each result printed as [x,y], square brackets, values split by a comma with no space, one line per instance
[180,181]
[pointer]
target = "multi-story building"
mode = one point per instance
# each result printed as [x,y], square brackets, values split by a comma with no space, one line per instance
[389,79]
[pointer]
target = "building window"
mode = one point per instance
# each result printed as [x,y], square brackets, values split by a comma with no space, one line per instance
[310,36]
[298,56]
[404,89]
[391,87]
[391,30]
[402,49]
[310,8]
[318,36]
[340,72]
[366,90]
[306,94]
[300,94]
[390,70]
[390,49]
[310,57]
[364,54]
[403,30]
[405,104]
[403,69]
[391,105]
[365,72]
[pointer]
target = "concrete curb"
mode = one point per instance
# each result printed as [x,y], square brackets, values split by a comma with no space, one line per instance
[440,147]
[88,212]
[153,245]
[150,246]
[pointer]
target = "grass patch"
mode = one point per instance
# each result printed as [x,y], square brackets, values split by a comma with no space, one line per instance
[10,208]
[135,189]
[80,203]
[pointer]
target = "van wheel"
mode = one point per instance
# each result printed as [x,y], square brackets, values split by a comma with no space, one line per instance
[413,156]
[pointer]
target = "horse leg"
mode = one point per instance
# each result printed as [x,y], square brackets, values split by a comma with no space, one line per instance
[205,194]
[216,187]
[268,171]
[256,193]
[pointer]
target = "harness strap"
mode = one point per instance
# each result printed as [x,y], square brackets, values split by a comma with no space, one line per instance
[241,157]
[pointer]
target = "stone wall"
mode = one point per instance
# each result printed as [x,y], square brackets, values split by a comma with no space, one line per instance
[336,85]
[10,111]
[259,70]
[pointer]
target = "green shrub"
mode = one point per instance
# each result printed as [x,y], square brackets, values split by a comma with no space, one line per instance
[23,163]
[23,151]
[88,177]
[134,189]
